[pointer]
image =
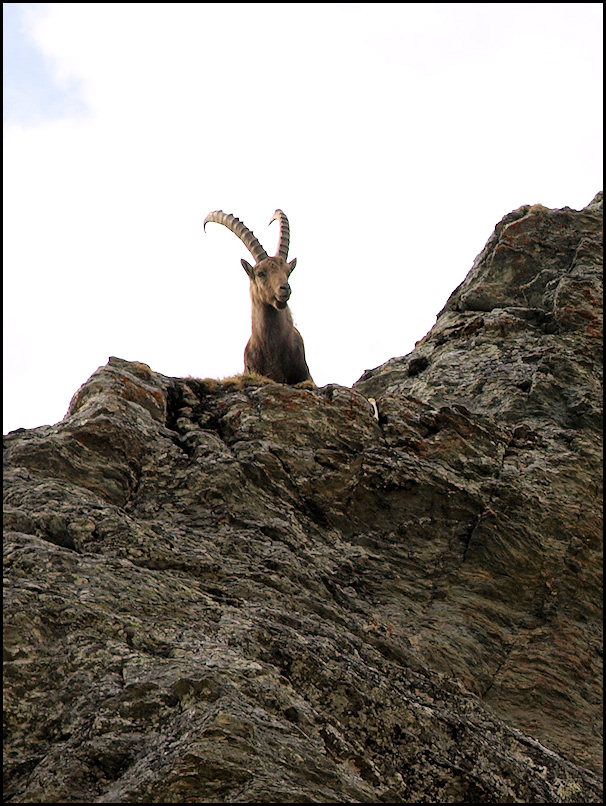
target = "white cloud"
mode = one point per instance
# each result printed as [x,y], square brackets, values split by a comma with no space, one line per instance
[395,136]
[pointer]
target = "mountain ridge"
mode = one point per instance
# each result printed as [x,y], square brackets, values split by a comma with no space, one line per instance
[241,591]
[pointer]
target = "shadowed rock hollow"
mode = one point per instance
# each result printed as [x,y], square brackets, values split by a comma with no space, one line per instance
[236,591]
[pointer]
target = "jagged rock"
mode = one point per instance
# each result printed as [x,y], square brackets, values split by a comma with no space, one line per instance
[238,591]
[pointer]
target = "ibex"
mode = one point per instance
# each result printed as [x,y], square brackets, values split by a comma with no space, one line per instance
[275,348]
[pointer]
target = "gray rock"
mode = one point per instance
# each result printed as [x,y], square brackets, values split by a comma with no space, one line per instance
[240,591]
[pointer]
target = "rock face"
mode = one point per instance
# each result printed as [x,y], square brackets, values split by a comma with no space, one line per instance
[236,591]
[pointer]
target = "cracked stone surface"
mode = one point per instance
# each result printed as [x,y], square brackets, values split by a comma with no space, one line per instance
[249,592]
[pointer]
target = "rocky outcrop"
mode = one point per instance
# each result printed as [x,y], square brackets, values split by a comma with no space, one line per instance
[241,591]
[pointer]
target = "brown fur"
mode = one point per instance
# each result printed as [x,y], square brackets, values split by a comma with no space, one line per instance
[275,348]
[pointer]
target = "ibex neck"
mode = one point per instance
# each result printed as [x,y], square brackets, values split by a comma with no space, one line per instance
[269,320]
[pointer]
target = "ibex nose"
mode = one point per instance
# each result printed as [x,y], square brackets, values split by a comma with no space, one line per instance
[285,290]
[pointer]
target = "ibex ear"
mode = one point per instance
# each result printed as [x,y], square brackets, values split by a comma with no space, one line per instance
[292,264]
[248,268]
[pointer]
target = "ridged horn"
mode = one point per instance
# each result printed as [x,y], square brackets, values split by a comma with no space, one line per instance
[238,228]
[280,216]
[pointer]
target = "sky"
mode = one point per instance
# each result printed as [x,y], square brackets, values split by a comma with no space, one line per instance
[394,136]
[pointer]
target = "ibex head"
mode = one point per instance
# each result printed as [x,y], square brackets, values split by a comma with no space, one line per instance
[269,275]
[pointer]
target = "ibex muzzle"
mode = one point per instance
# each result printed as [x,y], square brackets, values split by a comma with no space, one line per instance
[275,348]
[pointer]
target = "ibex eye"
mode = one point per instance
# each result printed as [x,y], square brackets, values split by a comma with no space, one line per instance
[261,274]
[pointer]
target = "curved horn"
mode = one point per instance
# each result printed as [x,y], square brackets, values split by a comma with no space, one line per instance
[238,228]
[280,216]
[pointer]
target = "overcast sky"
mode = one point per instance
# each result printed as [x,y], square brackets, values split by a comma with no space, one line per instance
[394,136]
